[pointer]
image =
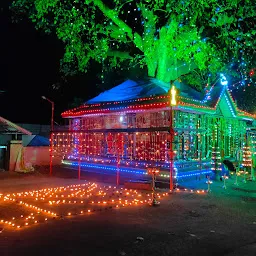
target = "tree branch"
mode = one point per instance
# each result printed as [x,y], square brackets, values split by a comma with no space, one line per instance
[119,54]
[113,15]
[118,35]
[150,21]
[129,1]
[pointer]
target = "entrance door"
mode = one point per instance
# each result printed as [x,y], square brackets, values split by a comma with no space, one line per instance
[2,157]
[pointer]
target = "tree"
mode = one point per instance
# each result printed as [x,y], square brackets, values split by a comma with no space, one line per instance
[191,38]
[76,102]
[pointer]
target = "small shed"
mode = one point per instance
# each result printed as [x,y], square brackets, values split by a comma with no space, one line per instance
[10,141]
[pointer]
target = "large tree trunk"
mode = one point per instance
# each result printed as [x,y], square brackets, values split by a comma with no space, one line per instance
[162,55]
[152,66]
[161,65]
[167,71]
[168,68]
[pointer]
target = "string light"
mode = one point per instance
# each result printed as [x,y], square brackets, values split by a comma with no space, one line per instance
[126,107]
[107,197]
[92,153]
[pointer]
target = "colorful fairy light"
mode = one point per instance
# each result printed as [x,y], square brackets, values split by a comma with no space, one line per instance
[164,174]
[126,107]
[142,125]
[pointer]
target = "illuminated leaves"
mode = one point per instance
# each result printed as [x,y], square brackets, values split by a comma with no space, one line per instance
[205,34]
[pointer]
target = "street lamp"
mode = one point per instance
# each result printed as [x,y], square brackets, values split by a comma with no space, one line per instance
[52,117]
[52,127]
[173,102]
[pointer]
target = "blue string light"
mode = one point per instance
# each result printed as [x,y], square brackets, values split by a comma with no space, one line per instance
[164,174]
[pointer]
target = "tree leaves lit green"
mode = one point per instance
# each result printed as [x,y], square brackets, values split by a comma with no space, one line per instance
[194,39]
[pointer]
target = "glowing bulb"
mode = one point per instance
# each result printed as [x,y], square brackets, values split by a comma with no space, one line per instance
[173,96]
[223,80]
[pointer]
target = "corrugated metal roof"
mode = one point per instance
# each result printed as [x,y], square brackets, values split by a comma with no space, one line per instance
[7,127]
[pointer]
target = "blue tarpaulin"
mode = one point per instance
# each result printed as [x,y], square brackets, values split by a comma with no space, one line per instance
[37,141]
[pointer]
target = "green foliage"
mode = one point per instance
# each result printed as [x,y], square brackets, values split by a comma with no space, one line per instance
[195,79]
[205,35]
[76,102]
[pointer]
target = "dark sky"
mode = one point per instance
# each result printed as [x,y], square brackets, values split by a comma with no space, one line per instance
[29,64]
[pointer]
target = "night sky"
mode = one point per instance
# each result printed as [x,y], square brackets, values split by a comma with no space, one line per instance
[29,67]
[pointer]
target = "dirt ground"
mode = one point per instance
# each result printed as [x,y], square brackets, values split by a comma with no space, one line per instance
[222,222]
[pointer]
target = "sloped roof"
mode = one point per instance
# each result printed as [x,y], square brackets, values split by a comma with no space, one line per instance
[133,96]
[36,141]
[130,90]
[7,127]
[215,95]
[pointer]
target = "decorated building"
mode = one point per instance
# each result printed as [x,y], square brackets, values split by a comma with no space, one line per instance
[132,126]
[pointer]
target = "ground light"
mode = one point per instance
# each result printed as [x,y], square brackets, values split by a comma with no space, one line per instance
[244,173]
[237,174]
[153,172]
[49,204]
[208,182]
[224,177]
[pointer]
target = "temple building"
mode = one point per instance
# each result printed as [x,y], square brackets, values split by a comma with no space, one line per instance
[134,126]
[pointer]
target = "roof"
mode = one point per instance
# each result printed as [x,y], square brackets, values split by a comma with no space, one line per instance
[7,127]
[135,96]
[37,129]
[36,141]
[130,90]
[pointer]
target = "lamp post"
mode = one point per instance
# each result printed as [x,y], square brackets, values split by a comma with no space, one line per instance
[52,128]
[118,160]
[172,103]
[52,117]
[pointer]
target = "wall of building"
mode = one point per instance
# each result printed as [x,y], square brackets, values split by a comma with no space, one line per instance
[14,149]
[32,155]
[195,136]
[39,156]
[200,141]
[5,139]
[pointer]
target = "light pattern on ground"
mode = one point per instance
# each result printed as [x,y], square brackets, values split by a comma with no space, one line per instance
[20,210]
